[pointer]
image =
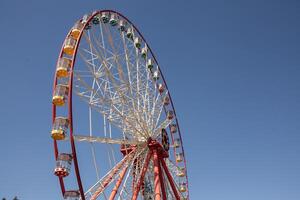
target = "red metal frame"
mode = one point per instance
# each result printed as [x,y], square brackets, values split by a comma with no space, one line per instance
[157,184]
[61,181]
[141,180]
[116,188]
[109,178]
[169,176]
[70,113]
[159,154]
[162,182]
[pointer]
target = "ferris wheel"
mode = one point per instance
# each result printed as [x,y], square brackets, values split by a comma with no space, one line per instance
[118,137]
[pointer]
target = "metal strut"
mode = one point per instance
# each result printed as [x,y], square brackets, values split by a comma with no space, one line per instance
[116,188]
[170,179]
[100,186]
[157,184]
[162,184]
[144,170]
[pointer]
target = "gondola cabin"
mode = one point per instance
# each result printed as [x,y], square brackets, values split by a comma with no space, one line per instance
[85,20]
[137,42]
[60,128]
[181,172]
[129,33]
[177,143]
[60,95]
[122,25]
[144,52]
[63,165]
[69,45]
[96,20]
[104,17]
[161,88]
[170,114]
[150,64]
[75,32]
[173,128]
[156,75]
[113,20]
[63,67]
[179,157]
[182,187]
[166,100]
[72,195]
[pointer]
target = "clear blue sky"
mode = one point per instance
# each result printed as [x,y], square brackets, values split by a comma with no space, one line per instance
[233,69]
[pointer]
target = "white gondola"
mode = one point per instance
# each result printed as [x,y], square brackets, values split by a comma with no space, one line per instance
[129,33]
[85,18]
[72,195]
[137,42]
[104,17]
[122,25]
[113,20]
[96,19]
[85,21]
[144,51]
[150,64]
[156,75]
[63,165]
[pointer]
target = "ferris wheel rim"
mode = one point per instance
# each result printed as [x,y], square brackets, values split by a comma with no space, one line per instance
[70,105]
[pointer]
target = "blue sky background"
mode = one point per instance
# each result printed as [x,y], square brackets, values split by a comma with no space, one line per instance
[233,70]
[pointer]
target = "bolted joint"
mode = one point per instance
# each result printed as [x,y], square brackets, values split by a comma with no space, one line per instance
[155,145]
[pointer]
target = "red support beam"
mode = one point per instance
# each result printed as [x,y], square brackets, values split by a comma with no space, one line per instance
[170,179]
[116,188]
[157,184]
[133,173]
[141,180]
[162,183]
[109,177]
